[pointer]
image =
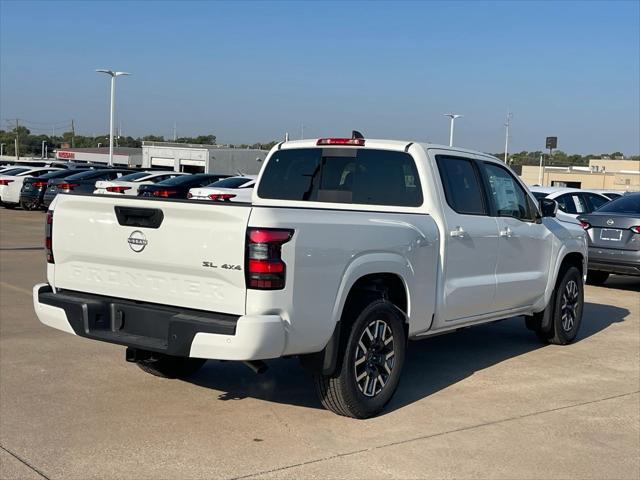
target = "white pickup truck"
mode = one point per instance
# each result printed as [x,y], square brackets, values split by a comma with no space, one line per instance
[349,248]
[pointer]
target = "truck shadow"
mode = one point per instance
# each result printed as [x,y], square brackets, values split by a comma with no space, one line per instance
[431,364]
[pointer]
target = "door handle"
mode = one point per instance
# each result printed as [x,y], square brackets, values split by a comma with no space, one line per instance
[506,232]
[457,232]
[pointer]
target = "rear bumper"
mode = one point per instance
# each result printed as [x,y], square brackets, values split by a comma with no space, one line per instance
[625,262]
[32,197]
[158,328]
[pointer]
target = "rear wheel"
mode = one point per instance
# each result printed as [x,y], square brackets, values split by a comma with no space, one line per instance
[167,366]
[596,277]
[371,363]
[10,206]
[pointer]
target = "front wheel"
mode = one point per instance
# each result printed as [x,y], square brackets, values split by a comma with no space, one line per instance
[567,308]
[371,363]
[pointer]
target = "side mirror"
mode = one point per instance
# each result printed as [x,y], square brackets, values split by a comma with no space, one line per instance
[548,207]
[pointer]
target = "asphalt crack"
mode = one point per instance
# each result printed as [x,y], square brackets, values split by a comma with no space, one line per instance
[24,462]
[433,435]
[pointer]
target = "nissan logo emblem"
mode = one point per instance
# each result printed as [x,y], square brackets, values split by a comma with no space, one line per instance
[610,221]
[137,241]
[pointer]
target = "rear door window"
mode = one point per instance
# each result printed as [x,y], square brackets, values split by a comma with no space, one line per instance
[342,175]
[595,201]
[461,183]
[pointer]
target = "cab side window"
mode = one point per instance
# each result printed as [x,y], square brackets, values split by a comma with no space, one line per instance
[462,185]
[507,196]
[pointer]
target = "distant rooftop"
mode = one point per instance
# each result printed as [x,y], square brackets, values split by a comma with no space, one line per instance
[181,145]
[104,150]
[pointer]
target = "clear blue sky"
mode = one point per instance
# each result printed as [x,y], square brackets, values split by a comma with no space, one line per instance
[248,72]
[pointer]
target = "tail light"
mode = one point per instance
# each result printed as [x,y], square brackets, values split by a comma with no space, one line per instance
[221,196]
[5,182]
[48,237]
[635,229]
[164,193]
[118,189]
[354,142]
[67,186]
[265,269]
[39,184]
[585,225]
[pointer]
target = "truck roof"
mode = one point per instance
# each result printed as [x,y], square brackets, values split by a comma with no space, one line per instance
[397,145]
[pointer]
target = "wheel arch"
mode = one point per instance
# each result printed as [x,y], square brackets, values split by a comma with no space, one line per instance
[357,291]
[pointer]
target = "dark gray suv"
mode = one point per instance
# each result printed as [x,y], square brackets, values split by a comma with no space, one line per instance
[614,238]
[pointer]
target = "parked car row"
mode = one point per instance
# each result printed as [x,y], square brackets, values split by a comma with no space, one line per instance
[35,187]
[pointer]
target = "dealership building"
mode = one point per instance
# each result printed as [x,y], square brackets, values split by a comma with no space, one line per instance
[194,158]
[180,157]
[122,156]
[601,174]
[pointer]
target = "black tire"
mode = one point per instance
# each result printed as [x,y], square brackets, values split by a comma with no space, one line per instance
[596,277]
[381,362]
[167,366]
[567,308]
[10,206]
[25,206]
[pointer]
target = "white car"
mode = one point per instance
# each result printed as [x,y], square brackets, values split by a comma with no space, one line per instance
[349,248]
[232,189]
[572,201]
[129,184]
[11,183]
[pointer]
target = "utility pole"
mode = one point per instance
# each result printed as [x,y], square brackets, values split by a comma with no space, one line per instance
[302,131]
[286,136]
[53,131]
[17,141]
[73,134]
[506,138]
[175,131]
[43,143]
[541,172]
[2,149]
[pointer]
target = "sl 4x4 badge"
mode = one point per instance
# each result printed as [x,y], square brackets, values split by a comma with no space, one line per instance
[226,266]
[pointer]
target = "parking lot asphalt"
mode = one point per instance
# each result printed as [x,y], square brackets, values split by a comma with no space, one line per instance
[487,402]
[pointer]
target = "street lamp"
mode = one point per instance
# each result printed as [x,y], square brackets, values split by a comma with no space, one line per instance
[507,124]
[2,149]
[113,97]
[44,142]
[453,117]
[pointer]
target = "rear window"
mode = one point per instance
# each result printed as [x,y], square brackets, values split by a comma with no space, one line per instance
[625,204]
[14,171]
[342,175]
[84,175]
[57,174]
[232,182]
[133,176]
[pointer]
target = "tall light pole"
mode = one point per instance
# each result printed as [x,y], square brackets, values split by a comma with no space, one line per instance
[453,117]
[113,101]
[507,124]
[2,149]
[43,144]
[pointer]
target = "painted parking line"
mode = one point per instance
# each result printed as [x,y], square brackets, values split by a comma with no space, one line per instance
[16,289]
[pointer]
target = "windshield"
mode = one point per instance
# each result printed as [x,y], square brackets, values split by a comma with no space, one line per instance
[132,177]
[539,195]
[185,179]
[232,182]
[625,204]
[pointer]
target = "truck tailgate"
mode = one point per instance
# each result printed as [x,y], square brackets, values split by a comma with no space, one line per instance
[174,253]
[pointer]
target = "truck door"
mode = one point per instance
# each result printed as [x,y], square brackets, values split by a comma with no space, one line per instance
[470,243]
[524,246]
